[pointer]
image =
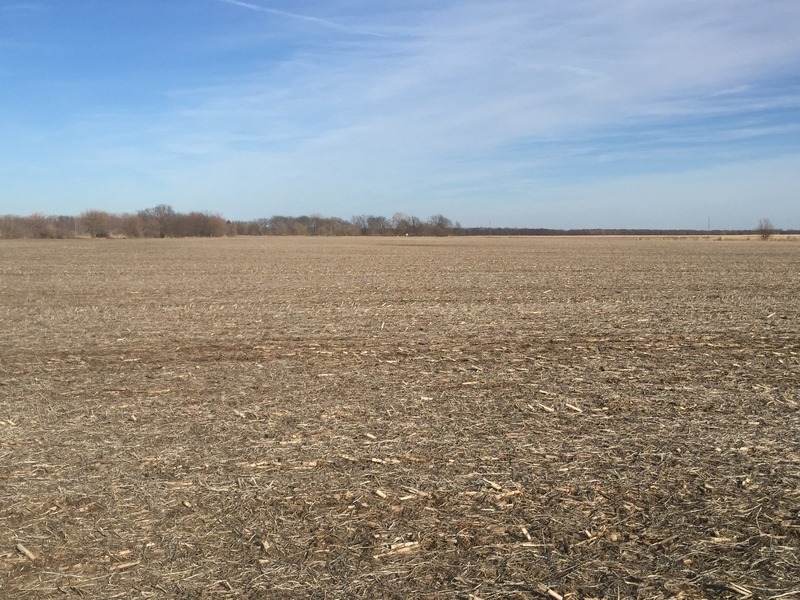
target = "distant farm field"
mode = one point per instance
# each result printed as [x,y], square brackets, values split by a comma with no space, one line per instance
[400,418]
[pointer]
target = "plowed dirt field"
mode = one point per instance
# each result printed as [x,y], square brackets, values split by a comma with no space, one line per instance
[400,418]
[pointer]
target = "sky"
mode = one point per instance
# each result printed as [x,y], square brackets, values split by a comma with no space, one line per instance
[532,113]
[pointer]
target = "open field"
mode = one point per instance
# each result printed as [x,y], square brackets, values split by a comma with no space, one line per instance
[400,418]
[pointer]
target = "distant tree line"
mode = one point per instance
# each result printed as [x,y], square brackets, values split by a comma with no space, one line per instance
[160,221]
[164,221]
[369,225]
[761,231]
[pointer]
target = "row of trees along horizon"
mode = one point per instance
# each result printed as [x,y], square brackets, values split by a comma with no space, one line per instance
[164,221]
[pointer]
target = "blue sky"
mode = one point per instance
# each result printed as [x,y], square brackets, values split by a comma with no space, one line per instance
[538,113]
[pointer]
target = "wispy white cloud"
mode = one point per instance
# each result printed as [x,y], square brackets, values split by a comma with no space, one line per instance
[327,23]
[475,101]
[462,103]
[476,76]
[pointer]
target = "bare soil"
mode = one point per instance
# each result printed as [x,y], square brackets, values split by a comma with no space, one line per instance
[400,418]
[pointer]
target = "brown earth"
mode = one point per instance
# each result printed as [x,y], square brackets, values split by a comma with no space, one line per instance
[400,418]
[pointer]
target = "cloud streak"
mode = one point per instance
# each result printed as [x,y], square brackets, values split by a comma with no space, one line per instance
[326,23]
[457,105]
[475,75]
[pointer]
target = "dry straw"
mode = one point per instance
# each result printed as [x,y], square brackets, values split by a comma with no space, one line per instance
[386,419]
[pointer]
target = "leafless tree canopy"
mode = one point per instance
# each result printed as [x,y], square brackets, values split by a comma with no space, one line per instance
[765,229]
[164,221]
[161,221]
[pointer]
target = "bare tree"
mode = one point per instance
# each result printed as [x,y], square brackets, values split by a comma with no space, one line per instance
[401,224]
[439,225]
[765,229]
[162,217]
[97,223]
[131,225]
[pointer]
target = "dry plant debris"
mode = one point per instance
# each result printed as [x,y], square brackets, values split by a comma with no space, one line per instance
[400,418]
